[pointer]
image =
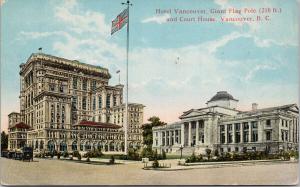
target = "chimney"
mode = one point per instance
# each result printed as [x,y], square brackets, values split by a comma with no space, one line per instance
[254,106]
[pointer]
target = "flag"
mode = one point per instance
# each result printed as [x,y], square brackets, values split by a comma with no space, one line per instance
[118,71]
[119,21]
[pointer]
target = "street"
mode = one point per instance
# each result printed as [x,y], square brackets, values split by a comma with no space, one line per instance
[59,172]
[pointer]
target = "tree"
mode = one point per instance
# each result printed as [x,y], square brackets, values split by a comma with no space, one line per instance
[4,140]
[147,130]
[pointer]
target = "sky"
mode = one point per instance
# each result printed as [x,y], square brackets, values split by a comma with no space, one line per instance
[173,67]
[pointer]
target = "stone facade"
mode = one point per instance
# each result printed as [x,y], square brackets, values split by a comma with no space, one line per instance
[70,106]
[221,126]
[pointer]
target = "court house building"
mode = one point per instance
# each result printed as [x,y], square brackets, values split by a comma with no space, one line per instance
[66,105]
[221,126]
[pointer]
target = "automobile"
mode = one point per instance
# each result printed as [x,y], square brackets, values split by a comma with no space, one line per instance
[18,155]
[27,153]
[11,154]
[4,153]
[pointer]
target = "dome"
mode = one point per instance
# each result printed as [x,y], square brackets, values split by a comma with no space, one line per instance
[222,95]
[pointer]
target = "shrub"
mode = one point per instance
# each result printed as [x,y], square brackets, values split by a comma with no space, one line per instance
[112,160]
[208,153]
[79,157]
[93,154]
[194,158]
[148,153]
[155,164]
[132,155]
[88,159]
[216,153]
[294,153]
[164,156]
[58,155]
[75,154]
[65,154]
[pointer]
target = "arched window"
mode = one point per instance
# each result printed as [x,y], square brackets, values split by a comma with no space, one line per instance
[112,146]
[51,146]
[63,146]
[74,146]
[36,144]
[87,146]
[42,144]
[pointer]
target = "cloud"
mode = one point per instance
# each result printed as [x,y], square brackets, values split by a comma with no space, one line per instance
[154,78]
[157,19]
[82,21]
[37,35]
[262,32]
[2,2]
[257,68]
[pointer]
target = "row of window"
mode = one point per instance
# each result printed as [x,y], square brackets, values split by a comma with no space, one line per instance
[93,84]
[93,102]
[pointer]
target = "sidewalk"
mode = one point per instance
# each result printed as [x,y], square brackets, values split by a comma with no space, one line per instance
[206,165]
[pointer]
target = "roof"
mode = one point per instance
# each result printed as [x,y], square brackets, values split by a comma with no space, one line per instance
[21,125]
[13,113]
[85,123]
[66,62]
[283,107]
[222,95]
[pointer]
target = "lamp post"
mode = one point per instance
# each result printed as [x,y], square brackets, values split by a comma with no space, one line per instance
[181,147]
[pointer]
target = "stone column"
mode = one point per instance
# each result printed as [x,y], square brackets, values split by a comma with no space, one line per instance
[170,136]
[182,134]
[242,132]
[190,134]
[260,131]
[197,132]
[174,137]
[165,138]
[226,132]
[250,131]
[233,133]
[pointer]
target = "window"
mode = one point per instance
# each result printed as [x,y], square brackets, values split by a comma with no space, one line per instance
[201,124]
[99,102]
[202,138]
[93,85]
[268,122]
[237,137]
[222,128]
[254,136]
[229,127]
[237,126]
[246,136]
[61,88]
[269,135]
[52,87]
[236,149]
[229,149]
[115,100]
[108,101]
[84,102]
[74,102]
[84,84]
[94,103]
[229,137]
[254,124]
[222,138]
[221,150]
[245,125]
[74,82]
[254,148]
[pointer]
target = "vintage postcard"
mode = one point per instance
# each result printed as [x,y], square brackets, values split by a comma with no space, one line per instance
[181,92]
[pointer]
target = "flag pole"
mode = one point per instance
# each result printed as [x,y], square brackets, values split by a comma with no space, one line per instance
[127,57]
